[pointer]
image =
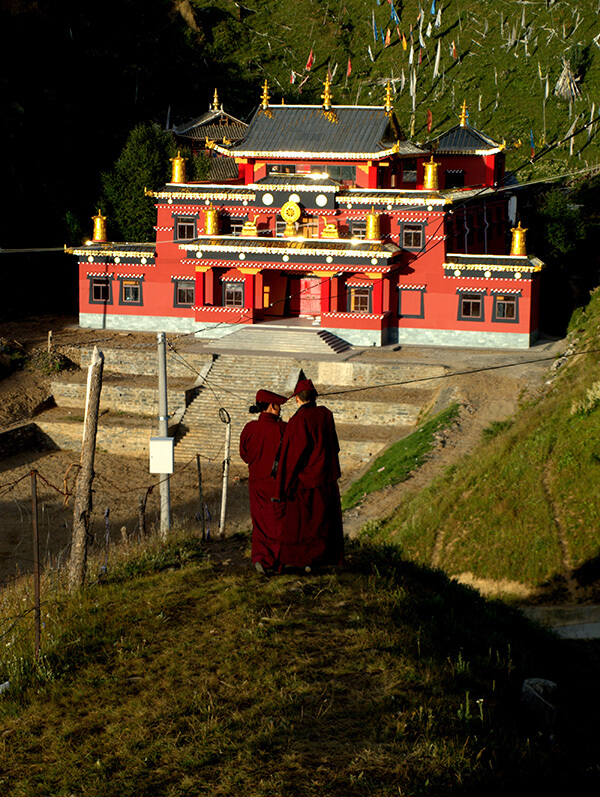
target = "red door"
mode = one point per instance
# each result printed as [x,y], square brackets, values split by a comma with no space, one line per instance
[310,296]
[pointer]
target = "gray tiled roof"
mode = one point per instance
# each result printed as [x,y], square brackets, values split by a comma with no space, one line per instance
[222,169]
[216,118]
[214,132]
[463,140]
[307,129]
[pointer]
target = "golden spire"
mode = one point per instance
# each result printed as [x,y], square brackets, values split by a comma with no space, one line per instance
[463,114]
[178,170]
[99,227]
[326,95]
[430,179]
[327,98]
[215,102]
[388,98]
[264,101]
[518,246]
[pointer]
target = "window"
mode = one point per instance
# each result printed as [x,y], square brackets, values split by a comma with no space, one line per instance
[412,236]
[340,173]
[360,300]
[131,291]
[235,226]
[454,178]
[100,290]
[358,228]
[184,293]
[185,228]
[409,170]
[281,168]
[309,227]
[470,307]
[506,308]
[233,294]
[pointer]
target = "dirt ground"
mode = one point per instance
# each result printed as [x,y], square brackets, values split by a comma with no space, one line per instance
[485,396]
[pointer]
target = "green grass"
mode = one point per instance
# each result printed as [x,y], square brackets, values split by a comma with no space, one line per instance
[400,460]
[381,679]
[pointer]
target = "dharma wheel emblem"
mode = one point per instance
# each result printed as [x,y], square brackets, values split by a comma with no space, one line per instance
[290,212]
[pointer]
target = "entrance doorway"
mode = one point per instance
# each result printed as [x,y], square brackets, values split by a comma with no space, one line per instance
[310,296]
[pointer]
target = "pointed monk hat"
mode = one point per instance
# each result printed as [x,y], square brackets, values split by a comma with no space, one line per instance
[268,397]
[304,384]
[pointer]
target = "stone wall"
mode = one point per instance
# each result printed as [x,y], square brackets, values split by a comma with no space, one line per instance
[127,441]
[21,438]
[133,400]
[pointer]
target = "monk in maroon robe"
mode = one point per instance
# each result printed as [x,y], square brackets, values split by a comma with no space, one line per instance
[260,442]
[307,474]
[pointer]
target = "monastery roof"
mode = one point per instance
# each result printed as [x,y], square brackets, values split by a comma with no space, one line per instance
[356,132]
[222,169]
[219,120]
[111,249]
[480,262]
[465,140]
[307,247]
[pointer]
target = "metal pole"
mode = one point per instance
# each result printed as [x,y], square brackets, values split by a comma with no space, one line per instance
[163,431]
[36,562]
[200,499]
[224,415]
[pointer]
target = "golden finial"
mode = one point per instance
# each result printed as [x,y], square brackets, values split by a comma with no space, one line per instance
[518,246]
[430,179]
[463,114]
[283,100]
[388,98]
[215,102]
[373,229]
[178,170]
[264,101]
[99,227]
[326,95]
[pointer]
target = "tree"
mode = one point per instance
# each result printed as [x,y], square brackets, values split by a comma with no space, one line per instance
[143,163]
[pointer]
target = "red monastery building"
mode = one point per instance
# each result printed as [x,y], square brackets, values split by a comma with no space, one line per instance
[336,218]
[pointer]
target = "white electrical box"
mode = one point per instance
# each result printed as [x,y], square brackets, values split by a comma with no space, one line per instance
[162,454]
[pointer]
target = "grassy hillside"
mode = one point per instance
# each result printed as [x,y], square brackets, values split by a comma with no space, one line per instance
[524,505]
[185,674]
[504,53]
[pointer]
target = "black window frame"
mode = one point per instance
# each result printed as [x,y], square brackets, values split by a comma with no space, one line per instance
[358,228]
[234,286]
[350,293]
[471,296]
[505,299]
[127,302]
[107,282]
[177,287]
[188,221]
[413,225]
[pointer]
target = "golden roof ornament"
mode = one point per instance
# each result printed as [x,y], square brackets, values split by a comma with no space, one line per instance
[178,169]
[330,230]
[250,229]
[430,179]
[373,229]
[211,221]
[389,107]
[518,246]
[215,102]
[264,101]
[464,116]
[99,227]
[327,98]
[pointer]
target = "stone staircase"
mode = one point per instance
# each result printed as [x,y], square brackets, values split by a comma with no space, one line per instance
[299,340]
[231,384]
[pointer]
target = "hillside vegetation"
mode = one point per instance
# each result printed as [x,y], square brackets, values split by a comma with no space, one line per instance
[182,673]
[523,506]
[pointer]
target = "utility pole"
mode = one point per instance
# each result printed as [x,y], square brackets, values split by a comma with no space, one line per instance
[224,416]
[163,431]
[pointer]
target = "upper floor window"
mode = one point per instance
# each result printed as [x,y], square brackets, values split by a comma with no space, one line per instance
[309,227]
[342,173]
[100,290]
[131,291]
[358,228]
[409,170]
[412,236]
[185,228]
[454,178]
[281,168]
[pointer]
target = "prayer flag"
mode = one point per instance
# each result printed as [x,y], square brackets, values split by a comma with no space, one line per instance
[454,51]
[293,77]
[382,36]
[310,62]
[532,144]
[371,53]
[349,70]
[411,55]
[404,43]
[374,27]
[388,38]
[433,8]
[436,68]
[429,118]
[420,55]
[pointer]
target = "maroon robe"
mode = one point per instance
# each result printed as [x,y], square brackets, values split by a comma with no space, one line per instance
[307,475]
[259,444]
